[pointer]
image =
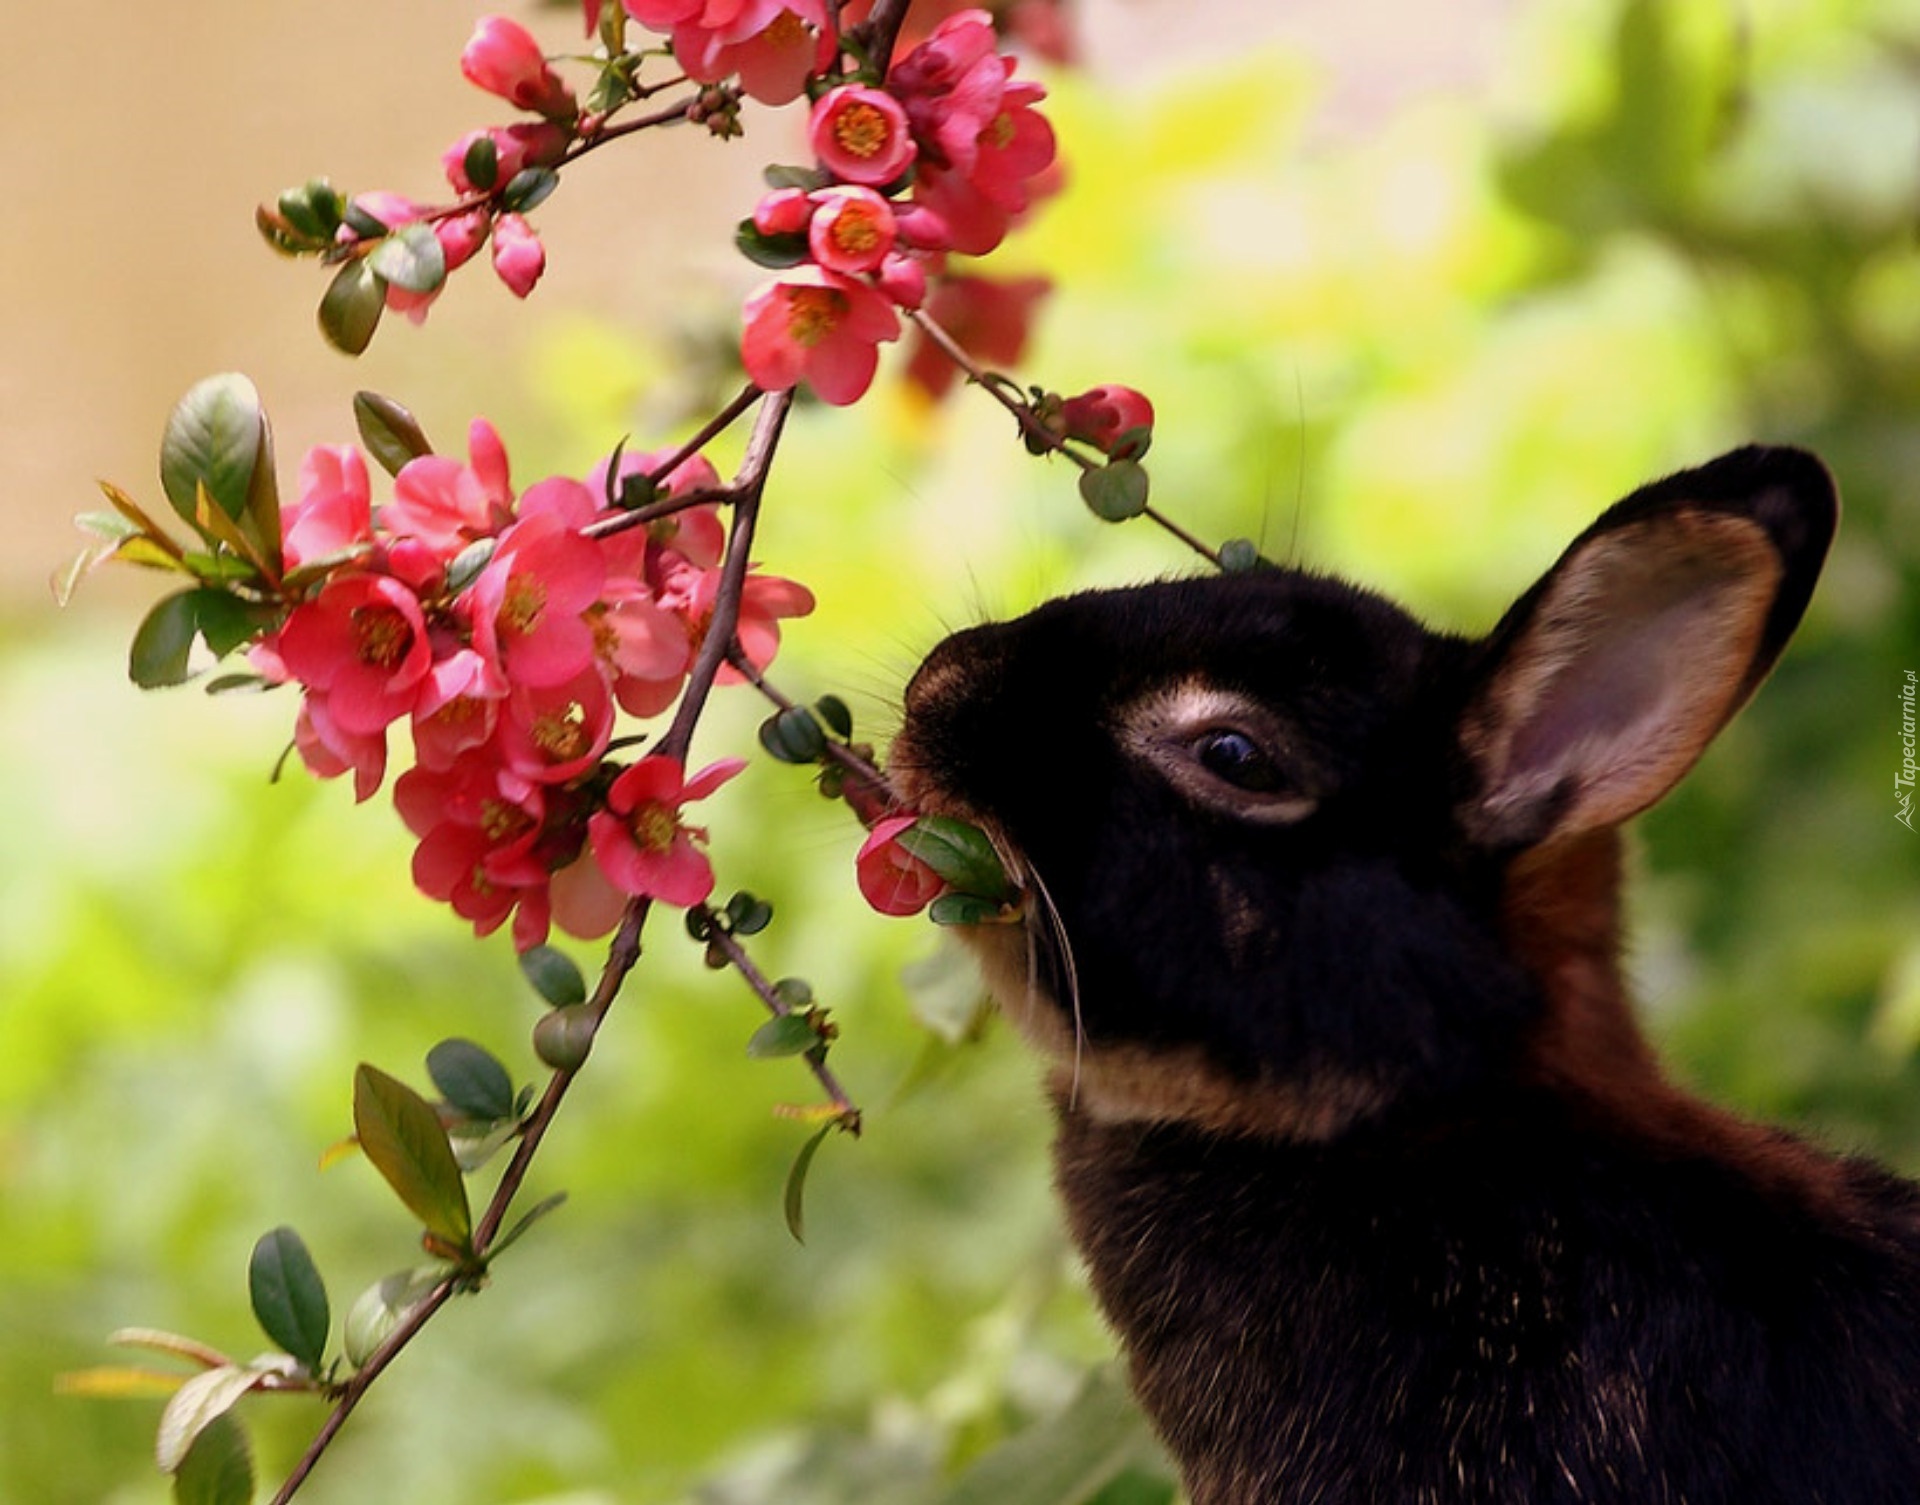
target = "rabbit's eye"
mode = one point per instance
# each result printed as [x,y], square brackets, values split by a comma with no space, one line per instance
[1235,758]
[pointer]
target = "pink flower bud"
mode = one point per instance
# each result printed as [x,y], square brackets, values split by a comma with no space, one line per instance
[1117,421]
[860,135]
[503,58]
[852,229]
[532,143]
[785,211]
[518,256]
[904,280]
[891,878]
[461,236]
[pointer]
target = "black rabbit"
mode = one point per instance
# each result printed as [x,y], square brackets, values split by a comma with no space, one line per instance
[1373,1170]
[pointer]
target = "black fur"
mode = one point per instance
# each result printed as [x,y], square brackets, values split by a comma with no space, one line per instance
[1519,1266]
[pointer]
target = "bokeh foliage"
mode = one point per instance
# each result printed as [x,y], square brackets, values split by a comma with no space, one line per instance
[1423,356]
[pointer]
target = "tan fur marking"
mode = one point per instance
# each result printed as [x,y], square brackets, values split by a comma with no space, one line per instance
[1136,1084]
[1562,922]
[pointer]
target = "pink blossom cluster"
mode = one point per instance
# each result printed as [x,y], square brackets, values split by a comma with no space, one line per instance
[507,634]
[941,159]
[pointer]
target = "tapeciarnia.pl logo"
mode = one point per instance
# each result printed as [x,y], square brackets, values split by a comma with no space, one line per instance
[1903,780]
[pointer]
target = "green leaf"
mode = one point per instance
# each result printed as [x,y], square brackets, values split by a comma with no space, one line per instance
[532,1215]
[289,1298]
[793,736]
[780,175]
[1116,491]
[528,189]
[1068,1457]
[554,975]
[1238,555]
[481,163]
[411,258]
[215,437]
[392,435]
[959,853]
[833,710]
[783,1035]
[747,914]
[350,308]
[468,564]
[964,909]
[218,1468]
[401,1134]
[775,251]
[471,1079]
[795,1200]
[382,1307]
[196,1405]
[163,640]
[225,621]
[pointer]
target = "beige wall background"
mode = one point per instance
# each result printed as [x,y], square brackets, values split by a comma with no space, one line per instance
[142,135]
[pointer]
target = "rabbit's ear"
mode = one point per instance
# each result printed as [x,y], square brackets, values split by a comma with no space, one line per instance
[1605,682]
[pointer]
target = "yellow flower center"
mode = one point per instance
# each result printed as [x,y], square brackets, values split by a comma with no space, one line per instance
[862,130]
[999,132]
[503,822]
[654,828]
[561,735]
[381,635]
[520,607]
[855,232]
[787,30]
[813,313]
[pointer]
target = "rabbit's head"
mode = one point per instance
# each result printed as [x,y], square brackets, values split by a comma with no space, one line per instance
[1291,857]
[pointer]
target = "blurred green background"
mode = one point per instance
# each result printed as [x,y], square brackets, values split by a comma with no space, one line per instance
[1414,300]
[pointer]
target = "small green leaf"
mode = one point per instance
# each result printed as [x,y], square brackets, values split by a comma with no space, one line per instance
[833,710]
[528,189]
[563,1037]
[794,992]
[471,1079]
[391,434]
[468,564]
[783,1035]
[214,438]
[163,640]
[1116,491]
[795,1200]
[411,258]
[1238,555]
[481,163]
[964,909]
[747,914]
[218,1467]
[225,621]
[779,175]
[793,736]
[289,1298]
[959,853]
[382,1307]
[774,251]
[402,1135]
[350,308]
[196,1405]
[532,1215]
[554,975]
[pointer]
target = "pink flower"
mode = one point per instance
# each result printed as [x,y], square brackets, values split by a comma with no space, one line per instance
[531,143]
[503,58]
[333,512]
[1117,421]
[585,903]
[457,710]
[891,878]
[362,642]
[852,229]
[645,650]
[773,45]
[904,280]
[529,603]
[640,841]
[861,135]
[818,326]
[447,505]
[551,734]
[518,256]
[329,751]
[765,600]
[950,86]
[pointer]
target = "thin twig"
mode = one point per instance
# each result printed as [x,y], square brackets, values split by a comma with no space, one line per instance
[619,522]
[839,752]
[729,946]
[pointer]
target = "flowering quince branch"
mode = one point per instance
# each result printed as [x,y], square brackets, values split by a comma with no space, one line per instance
[507,627]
